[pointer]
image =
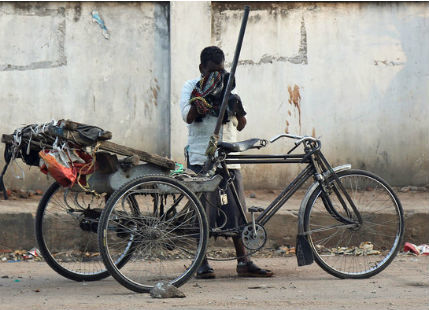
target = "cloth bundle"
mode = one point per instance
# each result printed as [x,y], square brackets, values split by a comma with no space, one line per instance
[208,94]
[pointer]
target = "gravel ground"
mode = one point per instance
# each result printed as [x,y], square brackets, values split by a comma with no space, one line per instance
[403,285]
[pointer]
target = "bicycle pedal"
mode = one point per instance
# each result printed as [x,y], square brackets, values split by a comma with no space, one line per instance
[255,209]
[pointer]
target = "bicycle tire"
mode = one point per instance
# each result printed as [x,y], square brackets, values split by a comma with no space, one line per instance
[52,241]
[162,252]
[62,241]
[358,251]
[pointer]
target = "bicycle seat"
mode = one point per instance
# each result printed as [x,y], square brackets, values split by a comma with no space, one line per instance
[241,146]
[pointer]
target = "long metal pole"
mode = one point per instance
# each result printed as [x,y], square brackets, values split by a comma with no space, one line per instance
[232,73]
[211,148]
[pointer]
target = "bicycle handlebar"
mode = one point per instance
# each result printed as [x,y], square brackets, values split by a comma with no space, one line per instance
[299,138]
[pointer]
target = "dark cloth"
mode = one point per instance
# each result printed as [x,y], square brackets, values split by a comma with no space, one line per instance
[211,202]
[208,94]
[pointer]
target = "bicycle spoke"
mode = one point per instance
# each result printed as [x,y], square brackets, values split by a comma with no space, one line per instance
[358,250]
[167,241]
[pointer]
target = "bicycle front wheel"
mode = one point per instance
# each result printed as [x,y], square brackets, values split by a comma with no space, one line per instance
[165,228]
[343,246]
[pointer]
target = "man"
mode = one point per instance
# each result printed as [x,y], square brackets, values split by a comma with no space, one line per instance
[200,103]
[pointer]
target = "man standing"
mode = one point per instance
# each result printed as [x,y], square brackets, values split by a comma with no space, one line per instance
[200,104]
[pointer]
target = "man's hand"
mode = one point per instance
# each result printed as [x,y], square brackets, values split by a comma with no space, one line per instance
[192,114]
[241,122]
[198,108]
[236,106]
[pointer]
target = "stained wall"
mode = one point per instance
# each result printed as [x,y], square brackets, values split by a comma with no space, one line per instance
[354,74]
[57,62]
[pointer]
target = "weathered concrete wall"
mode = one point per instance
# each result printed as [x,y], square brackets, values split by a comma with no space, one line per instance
[55,63]
[188,37]
[355,74]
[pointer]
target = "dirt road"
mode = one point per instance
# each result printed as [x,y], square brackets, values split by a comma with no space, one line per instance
[403,285]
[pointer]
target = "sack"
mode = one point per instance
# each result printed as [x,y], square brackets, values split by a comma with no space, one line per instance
[65,172]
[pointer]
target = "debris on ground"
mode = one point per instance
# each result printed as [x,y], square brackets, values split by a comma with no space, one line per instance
[16,194]
[229,252]
[285,251]
[9,256]
[73,255]
[365,248]
[407,189]
[166,290]
[262,286]
[411,248]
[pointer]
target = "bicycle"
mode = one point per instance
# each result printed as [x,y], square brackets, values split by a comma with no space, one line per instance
[350,221]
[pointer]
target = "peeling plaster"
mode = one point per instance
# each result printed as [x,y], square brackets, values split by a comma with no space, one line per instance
[387,63]
[300,58]
[60,35]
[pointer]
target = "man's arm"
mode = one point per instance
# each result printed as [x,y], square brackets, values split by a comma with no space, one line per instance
[185,106]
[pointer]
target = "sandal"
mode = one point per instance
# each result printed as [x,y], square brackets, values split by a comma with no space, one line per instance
[205,271]
[249,269]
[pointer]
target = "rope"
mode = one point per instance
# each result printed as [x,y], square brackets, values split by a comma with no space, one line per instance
[91,164]
[203,100]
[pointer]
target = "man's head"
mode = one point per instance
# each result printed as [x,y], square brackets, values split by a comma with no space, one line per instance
[212,59]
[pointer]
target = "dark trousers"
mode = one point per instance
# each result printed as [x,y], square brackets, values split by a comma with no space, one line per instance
[226,216]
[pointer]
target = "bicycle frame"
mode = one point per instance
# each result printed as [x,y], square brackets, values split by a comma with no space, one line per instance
[317,166]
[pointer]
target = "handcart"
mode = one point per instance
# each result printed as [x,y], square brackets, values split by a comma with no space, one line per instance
[87,171]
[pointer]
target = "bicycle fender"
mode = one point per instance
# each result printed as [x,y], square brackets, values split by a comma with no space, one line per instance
[304,252]
[308,194]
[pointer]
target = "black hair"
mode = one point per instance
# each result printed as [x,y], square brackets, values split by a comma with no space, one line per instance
[213,53]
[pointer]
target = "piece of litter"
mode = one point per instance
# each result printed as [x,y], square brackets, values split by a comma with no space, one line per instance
[35,252]
[422,249]
[97,19]
[166,290]
[263,286]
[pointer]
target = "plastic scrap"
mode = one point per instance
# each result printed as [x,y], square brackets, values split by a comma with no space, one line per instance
[20,255]
[422,249]
[285,251]
[65,170]
[97,19]
[166,290]
[179,169]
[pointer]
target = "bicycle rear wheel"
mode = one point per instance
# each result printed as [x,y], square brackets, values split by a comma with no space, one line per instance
[342,246]
[168,232]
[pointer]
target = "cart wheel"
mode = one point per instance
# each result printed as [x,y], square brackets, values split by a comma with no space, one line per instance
[66,232]
[167,235]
